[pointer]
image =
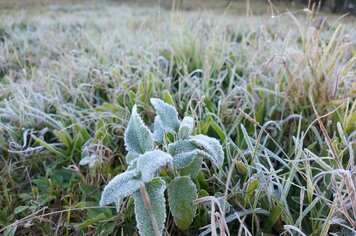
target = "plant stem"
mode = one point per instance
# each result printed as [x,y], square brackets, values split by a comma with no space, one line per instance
[148,205]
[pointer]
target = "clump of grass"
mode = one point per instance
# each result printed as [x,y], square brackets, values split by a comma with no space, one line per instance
[277,92]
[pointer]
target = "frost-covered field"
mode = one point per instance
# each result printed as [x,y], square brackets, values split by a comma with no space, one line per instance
[278,93]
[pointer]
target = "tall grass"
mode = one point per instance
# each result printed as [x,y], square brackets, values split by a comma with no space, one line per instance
[278,92]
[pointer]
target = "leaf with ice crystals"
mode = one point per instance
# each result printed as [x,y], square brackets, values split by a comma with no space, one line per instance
[138,138]
[193,168]
[210,145]
[184,152]
[167,114]
[119,187]
[158,132]
[151,162]
[132,166]
[155,192]
[130,157]
[181,146]
[181,195]
[186,127]
[184,159]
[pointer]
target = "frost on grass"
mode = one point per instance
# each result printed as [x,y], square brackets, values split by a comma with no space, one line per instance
[167,114]
[151,162]
[210,145]
[186,127]
[138,138]
[119,187]
[90,160]
[155,191]
[181,194]
[158,132]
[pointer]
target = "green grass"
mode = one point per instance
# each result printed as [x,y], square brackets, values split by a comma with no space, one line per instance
[279,93]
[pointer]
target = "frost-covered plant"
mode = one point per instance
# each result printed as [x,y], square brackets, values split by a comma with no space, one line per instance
[181,155]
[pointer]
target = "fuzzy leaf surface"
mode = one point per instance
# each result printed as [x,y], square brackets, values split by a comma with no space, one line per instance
[193,168]
[186,127]
[167,114]
[151,162]
[158,132]
[155,191]
[181,195]
[138,138]
[181,146]
[119,187]
[210,145]
[130,157]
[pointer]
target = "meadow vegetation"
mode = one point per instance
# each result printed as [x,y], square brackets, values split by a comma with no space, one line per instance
[277,90]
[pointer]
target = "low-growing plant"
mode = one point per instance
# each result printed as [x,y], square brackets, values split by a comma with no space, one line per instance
[170,157]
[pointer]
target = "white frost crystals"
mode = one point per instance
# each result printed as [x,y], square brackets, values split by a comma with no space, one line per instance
[121,186]
[183,155]
[138,138]
[151,162]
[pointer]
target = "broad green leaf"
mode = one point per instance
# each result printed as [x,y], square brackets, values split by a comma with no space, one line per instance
[155,192]
[167,114]
[151,162]
[121,186]
[181,195]
[181,146]
[210,145]
[193,168]
[184,153]
[138,138]
[158,132]
[184,159]
[186,127]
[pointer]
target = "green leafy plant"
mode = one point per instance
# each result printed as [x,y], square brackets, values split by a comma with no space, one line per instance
[171,146]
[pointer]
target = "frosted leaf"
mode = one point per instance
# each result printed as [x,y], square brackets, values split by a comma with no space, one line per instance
[181,195]
[120,186]
[155,191]
[167,114]
[184,159]
[151,162]
[186,127]
[193,168]
[184,152]
[181,146]
[132,166]
[130,157]
[138,138]
[158,132]
[210,145]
